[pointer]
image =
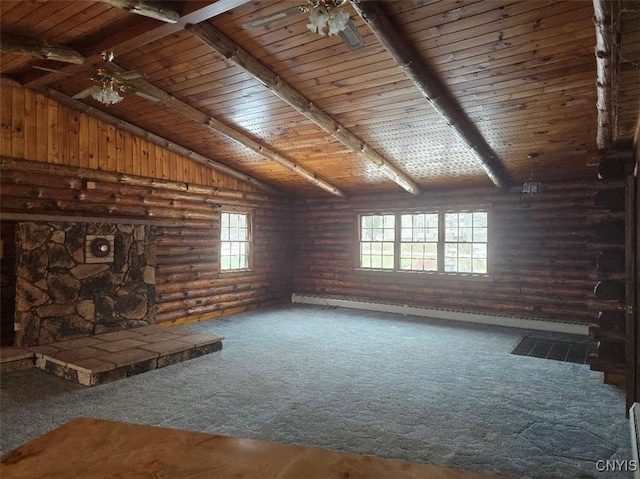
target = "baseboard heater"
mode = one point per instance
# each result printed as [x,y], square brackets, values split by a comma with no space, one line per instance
[634,422]
[467,317]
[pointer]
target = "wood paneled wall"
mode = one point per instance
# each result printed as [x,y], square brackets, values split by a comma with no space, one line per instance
[34,127]
[542,253]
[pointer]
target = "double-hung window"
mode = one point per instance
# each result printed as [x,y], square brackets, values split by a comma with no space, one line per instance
[465,242]
[378,233]
[433,241]
[235,240]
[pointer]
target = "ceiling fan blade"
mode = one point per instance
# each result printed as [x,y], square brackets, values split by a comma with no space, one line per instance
[84,93]
[52,70]
[351,37]
[266,20]
[124,76]
[144,95]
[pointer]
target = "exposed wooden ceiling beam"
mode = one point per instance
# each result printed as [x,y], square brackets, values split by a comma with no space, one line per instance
[157,140]
[146,9]
[39,49]
[216,125]
[602,21]
[434,90]
[136,35]
[229,49]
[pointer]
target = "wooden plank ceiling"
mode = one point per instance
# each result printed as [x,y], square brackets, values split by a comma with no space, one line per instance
[523,72]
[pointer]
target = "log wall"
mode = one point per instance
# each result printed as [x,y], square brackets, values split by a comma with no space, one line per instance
[542,253]
[34,127]
[189,285]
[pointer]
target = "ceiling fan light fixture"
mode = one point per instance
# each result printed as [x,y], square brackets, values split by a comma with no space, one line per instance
[327,14]
[532,187]
[105,94]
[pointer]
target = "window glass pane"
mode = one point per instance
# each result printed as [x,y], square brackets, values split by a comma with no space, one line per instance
[479,250]
[389,221]
[480,219]
[224,220]
[464,265]
[451,220]
[242,221]
[376,248]
[405,263]
[365,248]
[431,234]
[389,235]
[464,250]
[406,221]
[450,265]
[387,249]
[465,220]
[480,266]
[465,234]
[366,222]
[387,262]
[419,235]
[480,234]
[406,234]
[451,250]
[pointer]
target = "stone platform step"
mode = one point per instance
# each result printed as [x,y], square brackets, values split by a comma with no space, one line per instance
[108,357]
[13,358]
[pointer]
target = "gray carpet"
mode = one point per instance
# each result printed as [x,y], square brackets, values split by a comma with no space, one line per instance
[371,383]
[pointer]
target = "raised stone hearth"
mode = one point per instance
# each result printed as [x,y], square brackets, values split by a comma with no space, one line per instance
[111,356]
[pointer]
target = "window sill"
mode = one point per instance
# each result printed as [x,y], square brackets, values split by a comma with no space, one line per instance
[236,272]
[426,276]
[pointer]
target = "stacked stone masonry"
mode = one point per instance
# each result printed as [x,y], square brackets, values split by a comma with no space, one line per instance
[62,293]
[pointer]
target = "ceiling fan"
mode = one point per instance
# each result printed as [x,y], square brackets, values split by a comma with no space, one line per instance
[109,83]
[324,15]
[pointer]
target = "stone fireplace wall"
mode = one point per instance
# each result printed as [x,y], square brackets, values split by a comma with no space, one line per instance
[64,291]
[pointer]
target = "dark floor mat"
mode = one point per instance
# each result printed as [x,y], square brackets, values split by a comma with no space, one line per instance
[558,350]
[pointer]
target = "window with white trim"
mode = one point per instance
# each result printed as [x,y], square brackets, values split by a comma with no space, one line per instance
[235,240]
[465,246]
[433,241]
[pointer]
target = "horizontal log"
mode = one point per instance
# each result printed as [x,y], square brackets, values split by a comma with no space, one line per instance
[37,167]
[610,291]
[612,199]
[610,261]
[612,321]
[70,200]
[616,168]
[611,350]
[606,366]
